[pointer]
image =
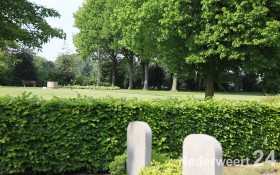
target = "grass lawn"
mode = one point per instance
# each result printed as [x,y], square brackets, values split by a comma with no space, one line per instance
[253,170]
[140,94]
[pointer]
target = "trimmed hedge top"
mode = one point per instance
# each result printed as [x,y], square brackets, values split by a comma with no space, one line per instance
[85,134]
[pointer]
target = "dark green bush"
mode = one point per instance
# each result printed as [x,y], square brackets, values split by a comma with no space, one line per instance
[84,134]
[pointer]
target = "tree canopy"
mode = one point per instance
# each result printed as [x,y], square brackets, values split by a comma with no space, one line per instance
[216,36]
[25,23]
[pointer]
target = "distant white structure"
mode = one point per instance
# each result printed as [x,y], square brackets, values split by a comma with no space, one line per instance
[52,84]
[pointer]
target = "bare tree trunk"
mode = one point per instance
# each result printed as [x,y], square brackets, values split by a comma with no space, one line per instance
[98,69]
[146,76]
[210,71]
[114,73]
[142,74]
[114,68]
[130,67]
[174,83]
[236,80]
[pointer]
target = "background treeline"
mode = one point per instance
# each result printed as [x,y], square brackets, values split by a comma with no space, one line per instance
[199,44]
[221,45]
[70,69]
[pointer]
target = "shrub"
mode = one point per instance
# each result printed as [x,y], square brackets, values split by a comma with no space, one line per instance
[117,167]
[172,166]
[68,135]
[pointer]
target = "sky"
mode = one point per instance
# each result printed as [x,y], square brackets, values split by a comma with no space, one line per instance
[66,8]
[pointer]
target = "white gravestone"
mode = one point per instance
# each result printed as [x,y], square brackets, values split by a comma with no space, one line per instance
[202,155]
[139,147]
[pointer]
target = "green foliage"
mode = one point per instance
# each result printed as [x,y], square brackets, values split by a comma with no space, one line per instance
[45,70]
[68,67]
[159,157]
[93,21]
[24,68]
[25,22]
[171,166]
[117,167]
[67,135]
[273,100]
[6,60]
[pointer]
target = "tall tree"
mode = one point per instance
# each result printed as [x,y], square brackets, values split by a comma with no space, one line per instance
[97,32]
[67,68]
[235,30]
[25,22]
[216,31]
[139,30]
[24,68]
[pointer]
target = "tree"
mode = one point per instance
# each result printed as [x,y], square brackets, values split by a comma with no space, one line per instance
[6,61]
[217,31]
[24,22]
[137,20]
[45,70]
[234,30]
[96,33]
[68,67]
[23,68]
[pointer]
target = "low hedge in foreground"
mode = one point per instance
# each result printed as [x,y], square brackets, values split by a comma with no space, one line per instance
[85,134]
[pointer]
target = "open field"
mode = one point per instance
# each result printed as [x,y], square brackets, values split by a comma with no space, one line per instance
[151,94]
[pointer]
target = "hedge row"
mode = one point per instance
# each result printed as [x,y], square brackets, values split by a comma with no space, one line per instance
[85,134]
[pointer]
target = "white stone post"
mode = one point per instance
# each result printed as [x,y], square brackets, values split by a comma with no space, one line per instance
[139,147]
[202,155]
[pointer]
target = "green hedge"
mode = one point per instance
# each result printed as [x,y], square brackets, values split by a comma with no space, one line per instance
[85,134]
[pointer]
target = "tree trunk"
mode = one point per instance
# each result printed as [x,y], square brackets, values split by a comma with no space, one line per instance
[236,80]
[98,69]
[146,76]
[210,73]
[130,67]
[142,74]
[114,68]
[174,83]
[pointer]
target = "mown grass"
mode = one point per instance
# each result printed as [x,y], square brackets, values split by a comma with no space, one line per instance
[267,169]
[140,94]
